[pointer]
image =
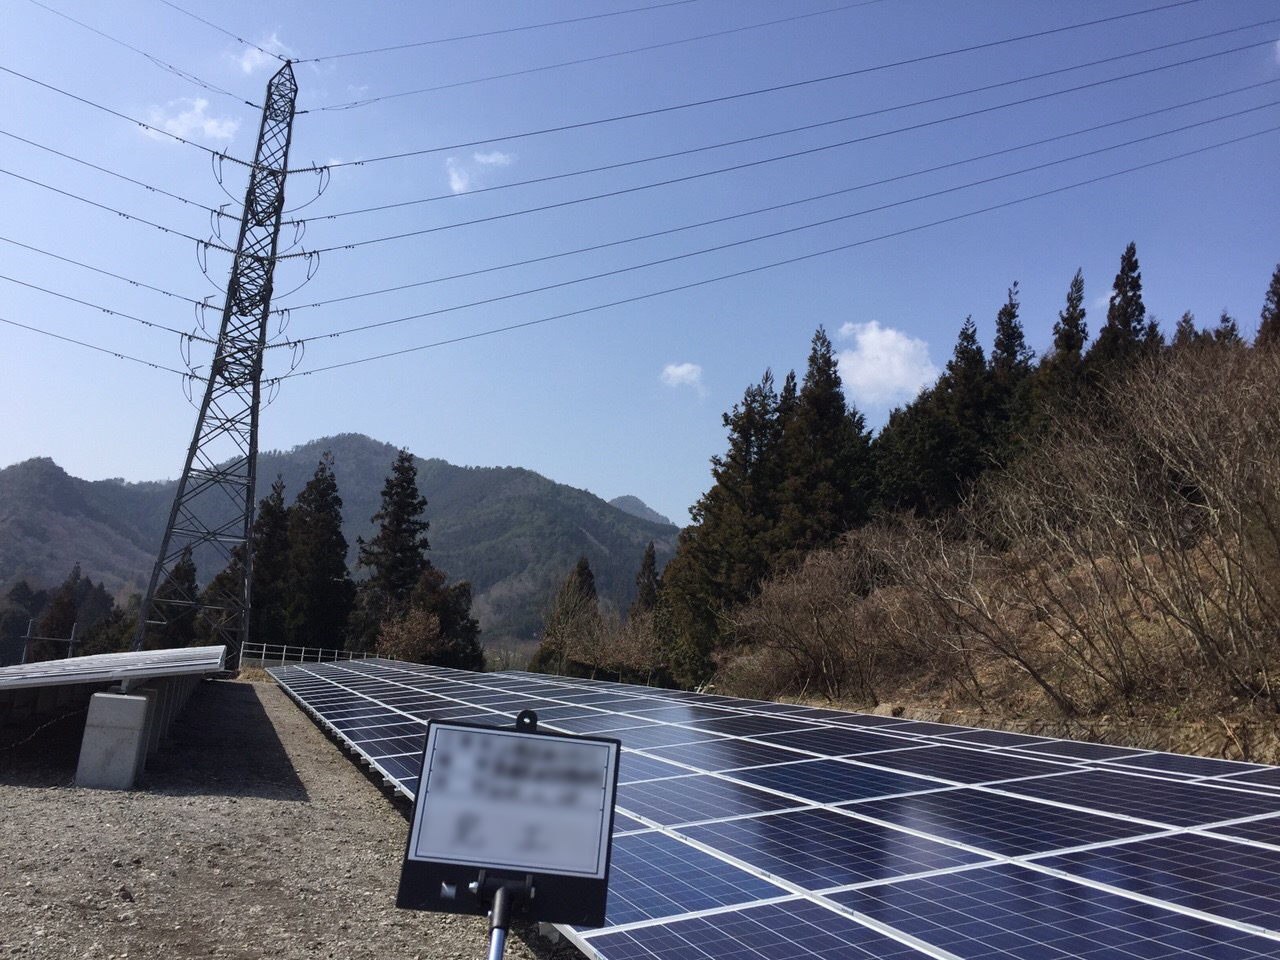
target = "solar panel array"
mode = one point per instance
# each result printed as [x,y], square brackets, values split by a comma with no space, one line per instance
[760,830]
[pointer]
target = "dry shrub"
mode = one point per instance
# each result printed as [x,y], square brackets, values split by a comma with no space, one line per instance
[414,638]
[1147,538]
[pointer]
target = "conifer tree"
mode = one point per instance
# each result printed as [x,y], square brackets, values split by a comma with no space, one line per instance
[1227,332]
[179,587]
[397,554]
[572,618]
[723,555]
[648,582]
[824,461]
[319,589]
[1127,335]
[1186,334]
[1269,325]
[1010,366]
[1070,330]
[270,575]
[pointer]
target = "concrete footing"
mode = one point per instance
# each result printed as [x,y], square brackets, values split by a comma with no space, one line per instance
[123,729]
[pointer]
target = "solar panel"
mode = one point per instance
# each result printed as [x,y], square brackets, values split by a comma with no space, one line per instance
[755,830]
[114,667]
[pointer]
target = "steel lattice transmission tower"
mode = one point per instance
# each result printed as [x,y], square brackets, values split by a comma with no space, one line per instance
[212,515]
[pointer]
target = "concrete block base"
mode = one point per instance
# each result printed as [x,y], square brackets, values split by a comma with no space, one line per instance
[115,741]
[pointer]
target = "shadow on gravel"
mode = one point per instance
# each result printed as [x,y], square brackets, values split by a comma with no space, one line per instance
[223,743]
[42,751]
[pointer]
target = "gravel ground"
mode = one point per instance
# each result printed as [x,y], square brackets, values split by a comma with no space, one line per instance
[249,835]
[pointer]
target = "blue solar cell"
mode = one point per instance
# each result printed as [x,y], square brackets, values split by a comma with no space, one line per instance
[1213,875]
[744,725]
[791,930]
[634,767]
[1269,777]
[819,848]
[993,738]
[622,823]
[1180,763]
[660,735]
[655,875]
[867,720]
[695,797]
[386,731]
[1266,830]
[665,712]
[717,755]
[834,781]
[1009,826]
[964,766]
[598,723]
[1079,750]
[1160,801]
[1008,911]
[837,741]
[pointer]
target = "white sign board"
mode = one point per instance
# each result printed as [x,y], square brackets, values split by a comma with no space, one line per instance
[511,800]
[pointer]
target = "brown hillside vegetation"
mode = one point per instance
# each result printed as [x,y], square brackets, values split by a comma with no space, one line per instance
[1129,566]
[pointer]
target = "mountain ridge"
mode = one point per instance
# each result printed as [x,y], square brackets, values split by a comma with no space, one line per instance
[511,532]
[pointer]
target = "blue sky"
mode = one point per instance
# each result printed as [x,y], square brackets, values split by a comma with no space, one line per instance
[663,199]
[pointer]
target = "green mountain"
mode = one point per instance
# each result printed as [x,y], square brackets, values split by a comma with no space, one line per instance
[512,533]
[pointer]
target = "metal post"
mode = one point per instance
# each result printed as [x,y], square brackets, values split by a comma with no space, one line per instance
[499,920]
[26,642]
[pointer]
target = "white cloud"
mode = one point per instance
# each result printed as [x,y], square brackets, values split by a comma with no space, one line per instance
[495,158]
[459,176]
[684,375]
[466,174]
[185,117]
[254,59]
[884,366]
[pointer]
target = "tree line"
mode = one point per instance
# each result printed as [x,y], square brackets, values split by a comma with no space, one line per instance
[1080,522]
[302,593]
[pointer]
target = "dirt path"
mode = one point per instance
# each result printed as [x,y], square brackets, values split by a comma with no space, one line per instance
[250,835]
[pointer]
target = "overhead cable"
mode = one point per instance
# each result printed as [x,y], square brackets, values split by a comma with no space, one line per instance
[113,353]
[789,203]
[108,311]
[177,71]
[500,32]
[706,281]
[825,123]
[604,56]
[623,191]
[784,232]
[910,61]
[134,120]
[223,30]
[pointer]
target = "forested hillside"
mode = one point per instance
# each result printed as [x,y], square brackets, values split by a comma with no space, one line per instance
[510,532]
[1094,531]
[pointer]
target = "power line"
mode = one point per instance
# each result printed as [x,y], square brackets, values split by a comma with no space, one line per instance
[778,263]
[112,353]
[779,233]
[189,77]
[105,273]
[789,203]
[119,176]
[766,160]
[599,57]
[116,113]
[825,123]
[108,311]
[120,213]
[223,30]
[500,32]
[861,71]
